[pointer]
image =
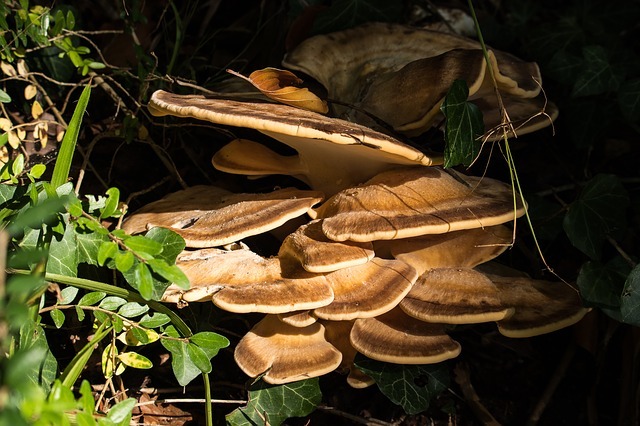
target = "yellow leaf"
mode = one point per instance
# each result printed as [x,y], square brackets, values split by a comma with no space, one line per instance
[279,85]
[14,140]
[60,135]
[36,110]
[143,133]
[5,124]
[22,67]
[41,133]
[21,133]
[8,69]
[30,91]
[4,155]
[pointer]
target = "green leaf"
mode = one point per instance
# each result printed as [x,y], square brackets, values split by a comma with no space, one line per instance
[37,171]
[58,317]
[18,165]
[139,243]
[463,126]
[124,261]
[629,99]
[599,211]
[35,217]
[275,404]
[4,97]
[630,301]
[598,75]
[68,145]
[135,360]
[183,367]
[199,358]
[210,342]
[601,284]
[410,386]
[107,250]
[111,303]
[111,204]
[169,272]
[87,402]
[92,298]
[67,295]
[88,245]
[121,412]
[154,320]
[172,244]
[144,281]
[63,253]
[132,309]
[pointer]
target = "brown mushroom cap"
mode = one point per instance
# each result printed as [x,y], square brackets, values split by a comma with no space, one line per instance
[297,318]
[465,249]
[241,281]
[455,296]
[317,254]
[327,147]
[409,202]
[540,306]
[285,353]
[337,333]
[397,338]
[207,216]
[367,290]
[383,69]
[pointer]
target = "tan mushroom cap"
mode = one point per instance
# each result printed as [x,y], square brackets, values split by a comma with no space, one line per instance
[540,306]
[397,338]
[207,216]
[382,68]
[317,254]
[337,333]
[367,290]
[410,202]
[465,249]
[241,281]
[327,147]
[297,318]
[285,353]
[455,296]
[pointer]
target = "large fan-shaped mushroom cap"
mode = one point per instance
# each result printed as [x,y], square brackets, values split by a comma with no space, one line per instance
[208,216]
[327,147]
[286,353]
[410,202]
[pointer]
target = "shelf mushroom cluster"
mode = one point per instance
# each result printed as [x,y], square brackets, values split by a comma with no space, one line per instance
[385,262]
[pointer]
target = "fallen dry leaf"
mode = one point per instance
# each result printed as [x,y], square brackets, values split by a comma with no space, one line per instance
[162,414]
[280,85]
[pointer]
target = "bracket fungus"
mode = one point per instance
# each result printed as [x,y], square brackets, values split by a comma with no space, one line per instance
[327,148]
[401,75]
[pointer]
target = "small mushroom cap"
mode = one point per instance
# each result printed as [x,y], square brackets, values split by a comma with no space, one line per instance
[410,202]
[397,338]
[327,147]
[207,216]
[286,353]
[317,254]
[465,249]
[234,158]
[241,281]
[455,296]
[297,318]
[367,290]
[540,306]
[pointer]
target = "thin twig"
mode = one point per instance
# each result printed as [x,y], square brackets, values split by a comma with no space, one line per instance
[362,420]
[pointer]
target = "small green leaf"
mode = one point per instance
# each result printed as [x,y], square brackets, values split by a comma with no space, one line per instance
[124,261]
[37,171]
[58,317]
[132,309]
[92,298]
[199,358]
[111,204]
[630,301]
[67,295]
[410,386]
[18,165]
[275,404]
[601,284]
[169,272]
[463,126]
[4,97]
[210,342]
[87,402]
[135,360]
[139,243]
[121,412]
[107,251]
[154,320]
[111,303]
[144,281]
[172,243]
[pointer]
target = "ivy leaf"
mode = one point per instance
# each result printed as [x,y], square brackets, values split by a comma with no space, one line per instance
[172,244]
[88,244]
[629,99]
[630,301]
[63,253]
[463,126]
[275,404]
[601,284]
[183,367]
[599,211]
[199,358]
[410,386]
[598,75]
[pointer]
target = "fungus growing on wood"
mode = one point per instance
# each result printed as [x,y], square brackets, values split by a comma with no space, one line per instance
[285,353]
[208,216]
[397,338]
[409,202]
[382,69]
[327,148]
